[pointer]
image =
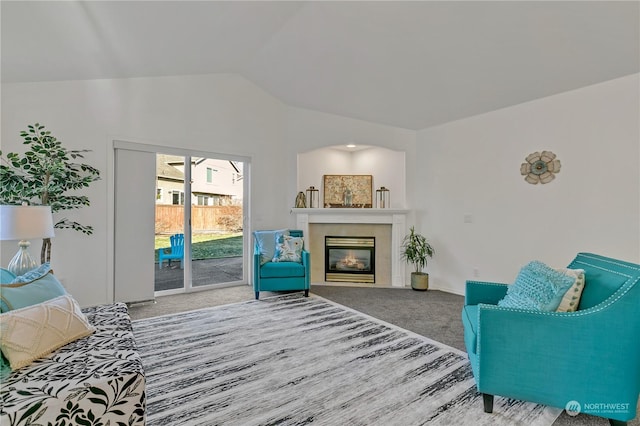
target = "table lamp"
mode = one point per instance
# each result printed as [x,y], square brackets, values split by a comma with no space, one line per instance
[24,223]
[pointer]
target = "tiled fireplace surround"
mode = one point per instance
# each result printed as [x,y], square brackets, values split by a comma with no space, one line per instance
[388,226]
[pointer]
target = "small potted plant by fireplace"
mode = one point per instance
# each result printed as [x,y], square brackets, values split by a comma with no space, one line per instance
[415,250]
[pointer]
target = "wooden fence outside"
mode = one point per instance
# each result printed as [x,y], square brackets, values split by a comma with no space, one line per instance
[170,218]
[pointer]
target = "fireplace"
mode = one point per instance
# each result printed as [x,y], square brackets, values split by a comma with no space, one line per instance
[350,259]
[388,226]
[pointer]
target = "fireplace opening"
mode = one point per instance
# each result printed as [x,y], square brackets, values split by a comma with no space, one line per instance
[350,259]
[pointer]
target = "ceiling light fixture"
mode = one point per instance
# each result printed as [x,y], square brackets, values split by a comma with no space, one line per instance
[351,145]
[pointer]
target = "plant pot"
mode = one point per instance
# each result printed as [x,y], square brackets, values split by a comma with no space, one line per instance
[420,281]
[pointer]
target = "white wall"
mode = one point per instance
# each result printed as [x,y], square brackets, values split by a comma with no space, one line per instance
[465,167]
[214,113]
[472,166]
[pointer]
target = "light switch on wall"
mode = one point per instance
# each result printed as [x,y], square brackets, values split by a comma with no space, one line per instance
[468,218]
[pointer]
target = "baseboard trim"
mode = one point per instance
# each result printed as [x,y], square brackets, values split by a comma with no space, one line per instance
[447,289]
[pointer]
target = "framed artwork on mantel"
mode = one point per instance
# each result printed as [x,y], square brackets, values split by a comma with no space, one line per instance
[350,191]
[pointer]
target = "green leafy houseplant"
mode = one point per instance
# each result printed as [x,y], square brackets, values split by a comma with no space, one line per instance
[43,176]
[416,250]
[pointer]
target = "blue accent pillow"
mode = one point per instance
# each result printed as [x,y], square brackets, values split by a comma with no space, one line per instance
[538,287]
[33,274]
[6,276]
[289,249]
[20,295]
[266,243]
[5,368]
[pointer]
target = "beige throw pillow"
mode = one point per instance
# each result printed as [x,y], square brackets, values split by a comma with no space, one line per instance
[33,332]
[571,298]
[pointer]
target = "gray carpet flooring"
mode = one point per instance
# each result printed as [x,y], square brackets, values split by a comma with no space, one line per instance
[433,314]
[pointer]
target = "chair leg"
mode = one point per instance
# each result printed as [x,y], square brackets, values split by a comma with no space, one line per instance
[257,295]
[488,402]
[617,422]
[306,293]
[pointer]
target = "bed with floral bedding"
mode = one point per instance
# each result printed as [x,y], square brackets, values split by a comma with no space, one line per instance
[96,380]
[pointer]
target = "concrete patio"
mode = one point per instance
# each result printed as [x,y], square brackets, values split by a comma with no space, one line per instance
[205,271]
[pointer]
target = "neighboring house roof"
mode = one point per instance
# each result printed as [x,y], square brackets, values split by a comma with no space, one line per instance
[165,169]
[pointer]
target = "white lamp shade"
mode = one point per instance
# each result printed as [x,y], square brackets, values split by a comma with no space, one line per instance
[25,222]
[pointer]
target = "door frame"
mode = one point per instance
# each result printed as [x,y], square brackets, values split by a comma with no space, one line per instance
[246,202]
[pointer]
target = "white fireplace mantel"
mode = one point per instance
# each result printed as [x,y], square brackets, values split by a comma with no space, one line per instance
[394,217]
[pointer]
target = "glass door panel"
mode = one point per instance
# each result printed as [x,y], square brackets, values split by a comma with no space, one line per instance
[169,223]
[216,221]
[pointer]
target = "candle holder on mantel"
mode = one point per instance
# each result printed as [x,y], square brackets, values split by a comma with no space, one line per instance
[313,197]
[383,198]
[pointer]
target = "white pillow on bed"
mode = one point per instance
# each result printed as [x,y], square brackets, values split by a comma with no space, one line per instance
[33,332]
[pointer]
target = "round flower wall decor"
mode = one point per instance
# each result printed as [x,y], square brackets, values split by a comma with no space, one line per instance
[540,167]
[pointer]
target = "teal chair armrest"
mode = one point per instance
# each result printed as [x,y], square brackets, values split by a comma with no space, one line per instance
[484,292]
[523,351]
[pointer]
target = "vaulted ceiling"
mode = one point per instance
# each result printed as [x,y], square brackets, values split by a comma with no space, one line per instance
[408,64]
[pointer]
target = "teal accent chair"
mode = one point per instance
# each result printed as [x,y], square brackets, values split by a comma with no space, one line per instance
[282,276]
[177,251]
[586,361]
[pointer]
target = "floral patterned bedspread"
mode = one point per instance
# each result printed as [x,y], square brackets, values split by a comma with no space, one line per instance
[97,380]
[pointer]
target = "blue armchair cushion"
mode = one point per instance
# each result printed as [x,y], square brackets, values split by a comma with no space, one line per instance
[282,270]
[537,287]
[22,294]
[266,243]
[289,249]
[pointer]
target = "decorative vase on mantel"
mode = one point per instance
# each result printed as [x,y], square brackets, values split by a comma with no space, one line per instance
[313,197]
[301,200]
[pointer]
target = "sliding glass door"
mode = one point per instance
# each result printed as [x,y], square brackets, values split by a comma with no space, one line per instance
[216,221]
[169,241]
[179,221]
[199,220]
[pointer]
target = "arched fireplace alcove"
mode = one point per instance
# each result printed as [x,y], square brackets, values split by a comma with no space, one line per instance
[386,167]
[386,226]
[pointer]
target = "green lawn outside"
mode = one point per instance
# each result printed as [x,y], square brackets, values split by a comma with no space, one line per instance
[208,246]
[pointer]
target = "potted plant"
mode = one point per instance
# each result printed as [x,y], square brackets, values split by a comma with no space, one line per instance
[415,250]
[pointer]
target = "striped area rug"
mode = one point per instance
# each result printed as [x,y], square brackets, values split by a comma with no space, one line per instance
[291,360]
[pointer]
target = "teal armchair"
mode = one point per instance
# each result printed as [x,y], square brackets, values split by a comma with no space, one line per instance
[281,276]
[586,361]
